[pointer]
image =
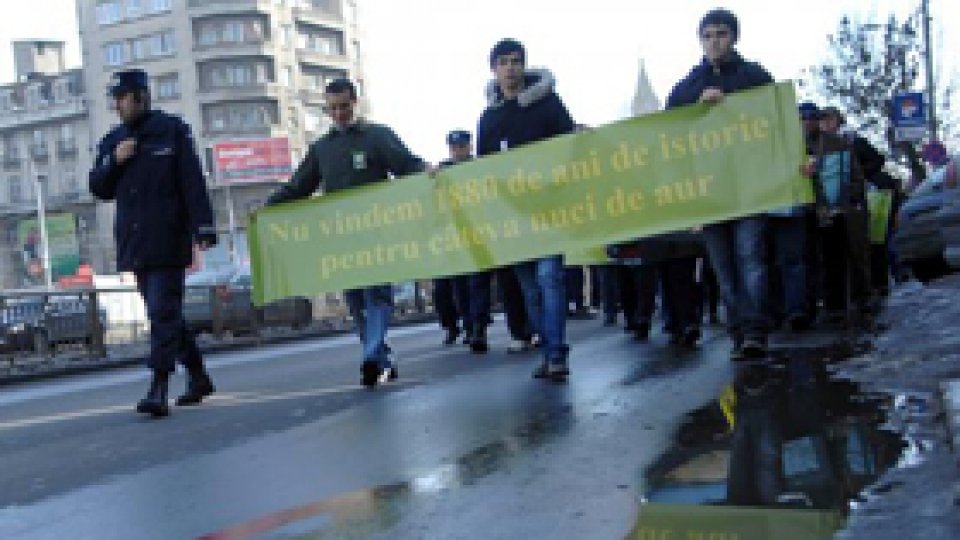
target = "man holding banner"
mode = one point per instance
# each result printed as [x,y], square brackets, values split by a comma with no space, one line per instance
[736,247]
[523,108]
[355,153]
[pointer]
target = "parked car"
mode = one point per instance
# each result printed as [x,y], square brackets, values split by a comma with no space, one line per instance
[230,290]
[41,326]
[928,227]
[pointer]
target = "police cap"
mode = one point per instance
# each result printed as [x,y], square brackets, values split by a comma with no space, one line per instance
[458,137]
[127,81]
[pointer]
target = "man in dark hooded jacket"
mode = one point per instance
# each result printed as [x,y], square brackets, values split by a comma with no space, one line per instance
[523,108]
[736,247]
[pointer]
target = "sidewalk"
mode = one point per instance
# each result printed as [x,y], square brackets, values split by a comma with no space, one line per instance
[916,359]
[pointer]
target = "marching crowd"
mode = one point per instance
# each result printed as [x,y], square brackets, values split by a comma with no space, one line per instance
[792,268]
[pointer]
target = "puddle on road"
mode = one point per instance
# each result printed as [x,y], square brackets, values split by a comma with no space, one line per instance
[785,453]
[368,512]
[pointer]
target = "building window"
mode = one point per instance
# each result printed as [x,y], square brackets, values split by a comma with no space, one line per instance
[226,75]
[115,53]
[318,79]
[323,41]
[167,86]
[140,48]
[164,43]
[159,6]
[16,189]
[240,116]
[134,8]
[108,12]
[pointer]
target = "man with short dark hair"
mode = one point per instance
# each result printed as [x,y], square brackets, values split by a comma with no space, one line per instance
[355,153]
[524,108]
[735,247]
[150,167]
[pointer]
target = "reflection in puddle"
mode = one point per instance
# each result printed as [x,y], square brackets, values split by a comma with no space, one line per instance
[795,441]
[364,513]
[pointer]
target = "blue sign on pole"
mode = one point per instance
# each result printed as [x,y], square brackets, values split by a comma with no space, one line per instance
[908,110]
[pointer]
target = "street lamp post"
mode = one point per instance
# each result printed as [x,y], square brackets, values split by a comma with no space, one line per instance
[928,58]
[40,180]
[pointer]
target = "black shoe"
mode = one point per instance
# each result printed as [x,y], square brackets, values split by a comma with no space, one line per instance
[689,337]
[452,334]
[555,371]
[199,386]
[373,373]
[155,403]
[610,321]
[479,344]
[798,323]
[641,332]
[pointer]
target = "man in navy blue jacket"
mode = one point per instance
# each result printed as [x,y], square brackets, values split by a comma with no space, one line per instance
[523,108]
[149,166]
[736,247]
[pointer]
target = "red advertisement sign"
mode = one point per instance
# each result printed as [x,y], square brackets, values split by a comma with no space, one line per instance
[255,160]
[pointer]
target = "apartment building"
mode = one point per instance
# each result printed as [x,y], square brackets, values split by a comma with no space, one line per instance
[233,69]
[45,145]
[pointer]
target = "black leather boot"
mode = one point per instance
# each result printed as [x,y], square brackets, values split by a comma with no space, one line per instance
[478,341]
[155,402]
[199,386]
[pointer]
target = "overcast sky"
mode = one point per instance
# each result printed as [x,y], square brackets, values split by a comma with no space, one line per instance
[426,60]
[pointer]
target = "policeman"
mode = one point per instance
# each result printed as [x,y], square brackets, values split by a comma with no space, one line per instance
[451,295]
[149,166]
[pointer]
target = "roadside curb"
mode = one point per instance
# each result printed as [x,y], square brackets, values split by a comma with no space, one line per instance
[85,366]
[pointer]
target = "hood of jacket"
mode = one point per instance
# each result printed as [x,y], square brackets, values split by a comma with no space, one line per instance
[538,84]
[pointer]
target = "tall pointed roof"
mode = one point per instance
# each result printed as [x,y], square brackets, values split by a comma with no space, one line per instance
[645,100]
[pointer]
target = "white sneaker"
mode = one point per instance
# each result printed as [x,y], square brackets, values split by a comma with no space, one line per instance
[519,346]
[535,341]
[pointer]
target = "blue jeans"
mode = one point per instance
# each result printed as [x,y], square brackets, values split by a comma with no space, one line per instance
[544,292]
[789,246]
[736,250]
[371,308]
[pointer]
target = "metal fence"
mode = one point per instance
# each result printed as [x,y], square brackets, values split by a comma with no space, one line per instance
[43,326]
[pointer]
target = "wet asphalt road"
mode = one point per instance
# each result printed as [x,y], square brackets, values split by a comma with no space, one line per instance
[461,446]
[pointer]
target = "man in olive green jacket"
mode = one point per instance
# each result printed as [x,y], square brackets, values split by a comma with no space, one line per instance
[355,153]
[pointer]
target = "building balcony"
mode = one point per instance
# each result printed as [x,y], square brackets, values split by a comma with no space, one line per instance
[203,53]
[318,17]
[271,91]
[316,58]
[49,114]
[11,163]
[206,8]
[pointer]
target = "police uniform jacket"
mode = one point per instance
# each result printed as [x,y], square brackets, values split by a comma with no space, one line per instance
[162,204]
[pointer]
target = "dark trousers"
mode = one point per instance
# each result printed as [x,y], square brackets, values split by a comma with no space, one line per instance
[846,270]
[880,268]
[170,341]
[575,279]
[475,289]
[445,302]
[708,291]
[608,289]
[628,293]
[514,308]
[676,279]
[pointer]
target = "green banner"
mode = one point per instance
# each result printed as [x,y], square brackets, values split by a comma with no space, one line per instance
[64,248]
[570,194]
[879,203]
[682,522]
